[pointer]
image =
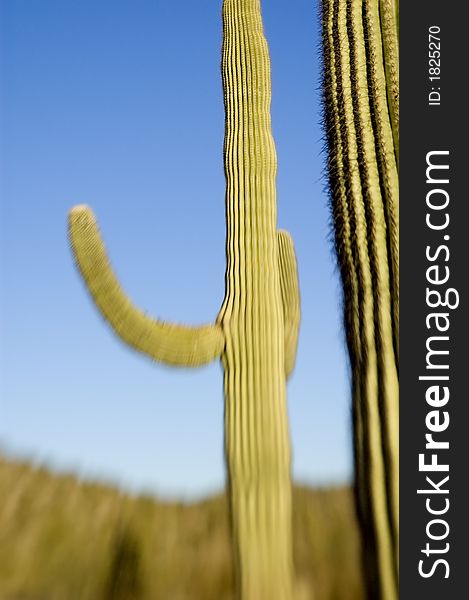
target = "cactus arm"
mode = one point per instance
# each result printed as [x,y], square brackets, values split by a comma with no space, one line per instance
[257,445]
[290,293]
[163,342]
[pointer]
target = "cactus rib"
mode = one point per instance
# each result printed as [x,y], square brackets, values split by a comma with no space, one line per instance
[163,342]
[290,297]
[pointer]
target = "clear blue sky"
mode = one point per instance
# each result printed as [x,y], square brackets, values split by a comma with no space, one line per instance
[118,104]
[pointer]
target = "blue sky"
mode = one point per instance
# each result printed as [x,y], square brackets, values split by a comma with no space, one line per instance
[118,104]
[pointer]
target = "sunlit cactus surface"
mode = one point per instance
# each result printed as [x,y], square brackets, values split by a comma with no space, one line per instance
[361,107]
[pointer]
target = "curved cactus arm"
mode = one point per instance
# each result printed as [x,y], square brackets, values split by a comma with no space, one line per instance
[290,297]
[163,342]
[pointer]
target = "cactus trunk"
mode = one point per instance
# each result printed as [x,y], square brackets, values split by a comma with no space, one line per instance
[255,333]
[361,104]
[256,433]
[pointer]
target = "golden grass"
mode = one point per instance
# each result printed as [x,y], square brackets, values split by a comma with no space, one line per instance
[62,539]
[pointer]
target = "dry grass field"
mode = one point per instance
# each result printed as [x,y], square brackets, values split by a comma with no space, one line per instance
[64,539]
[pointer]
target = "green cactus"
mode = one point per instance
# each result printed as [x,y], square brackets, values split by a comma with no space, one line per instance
[255,333]
[361,105]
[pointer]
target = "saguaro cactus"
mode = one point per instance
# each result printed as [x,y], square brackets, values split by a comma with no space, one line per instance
[255,333]
[361,105]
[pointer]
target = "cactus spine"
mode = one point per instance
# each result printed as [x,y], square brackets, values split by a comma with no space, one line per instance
[255,333]
[361,105]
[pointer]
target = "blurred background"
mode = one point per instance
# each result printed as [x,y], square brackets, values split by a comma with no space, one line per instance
[111,467]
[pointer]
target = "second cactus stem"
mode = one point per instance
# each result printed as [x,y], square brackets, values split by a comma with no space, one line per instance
[255,334]
[361,105]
